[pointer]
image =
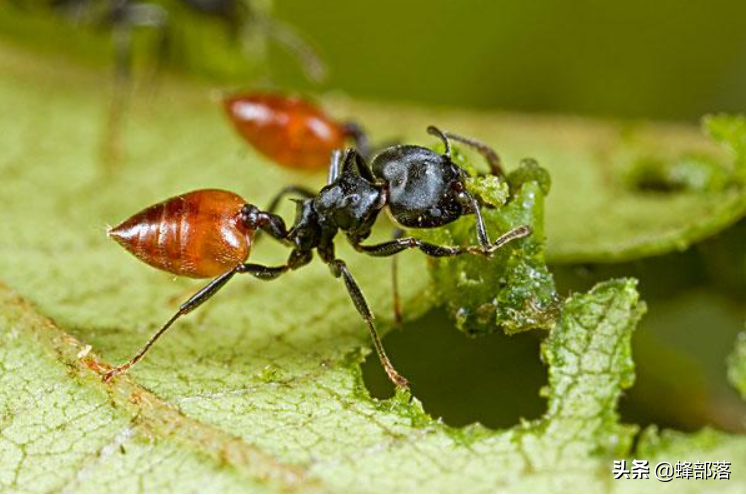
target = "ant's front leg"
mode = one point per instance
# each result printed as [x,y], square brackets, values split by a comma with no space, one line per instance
[396,246]
[486,247]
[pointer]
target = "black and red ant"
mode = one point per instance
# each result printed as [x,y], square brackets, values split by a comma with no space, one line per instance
[209,233]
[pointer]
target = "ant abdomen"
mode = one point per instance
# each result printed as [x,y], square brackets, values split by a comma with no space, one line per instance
[290,131]
[198,234]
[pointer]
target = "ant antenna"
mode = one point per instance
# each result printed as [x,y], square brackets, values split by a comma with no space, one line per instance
[493,159]
[432,130]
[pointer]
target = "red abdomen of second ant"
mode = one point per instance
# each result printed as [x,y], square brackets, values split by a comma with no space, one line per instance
[198,234]
[288,130]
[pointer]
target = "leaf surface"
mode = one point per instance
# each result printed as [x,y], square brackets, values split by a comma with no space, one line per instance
[261,389]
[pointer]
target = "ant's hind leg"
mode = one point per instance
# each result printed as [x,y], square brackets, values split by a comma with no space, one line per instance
[339,269]
[398,234]
[200,297]
[190,305]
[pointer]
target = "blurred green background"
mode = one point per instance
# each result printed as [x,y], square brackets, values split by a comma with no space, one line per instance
[633,59]
[639,59]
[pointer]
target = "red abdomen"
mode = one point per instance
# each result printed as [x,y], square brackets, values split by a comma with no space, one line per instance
[288,130]
[198,234]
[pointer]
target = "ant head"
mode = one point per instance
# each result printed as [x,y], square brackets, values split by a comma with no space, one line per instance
[351,203]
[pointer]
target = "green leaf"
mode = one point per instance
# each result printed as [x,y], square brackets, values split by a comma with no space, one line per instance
[730,132]
[671,447]
[261,389]
[513,289]
[737,365]
[122,437]
[61,429]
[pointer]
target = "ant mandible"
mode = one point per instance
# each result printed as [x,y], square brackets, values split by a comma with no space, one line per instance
[209,233]
[289,130]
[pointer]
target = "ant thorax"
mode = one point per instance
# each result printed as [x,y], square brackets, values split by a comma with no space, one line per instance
[351,204]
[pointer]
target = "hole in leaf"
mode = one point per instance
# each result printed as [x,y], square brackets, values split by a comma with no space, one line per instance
[682,343]
[694,173]
[492,379]
[680,351]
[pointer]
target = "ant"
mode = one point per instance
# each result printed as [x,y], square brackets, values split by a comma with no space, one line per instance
[209,233]
[236,16]
[289,130]
[122,17]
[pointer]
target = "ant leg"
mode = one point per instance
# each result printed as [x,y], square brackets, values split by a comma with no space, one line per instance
[262,272]
[396,246]
[334,161]
[292,189]
[398,234]
[360,137]
[482,236]
[313,66]
[339,269]
[201,296]
[154,16]
[190,305]
[489,154]
[274,225]
[111,146]
[124,17]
